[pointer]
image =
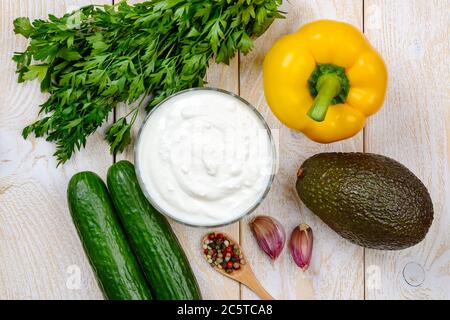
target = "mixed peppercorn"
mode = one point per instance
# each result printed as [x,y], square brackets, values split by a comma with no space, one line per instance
[222,253]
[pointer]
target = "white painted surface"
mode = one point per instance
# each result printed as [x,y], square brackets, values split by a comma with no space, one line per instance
[414,128]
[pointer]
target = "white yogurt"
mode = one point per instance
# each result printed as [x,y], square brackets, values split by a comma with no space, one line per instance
[204,157]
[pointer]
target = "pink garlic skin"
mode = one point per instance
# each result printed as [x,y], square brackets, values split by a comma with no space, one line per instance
[301,245]
[269,234]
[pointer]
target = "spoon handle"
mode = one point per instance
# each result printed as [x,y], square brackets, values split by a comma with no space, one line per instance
[253,284]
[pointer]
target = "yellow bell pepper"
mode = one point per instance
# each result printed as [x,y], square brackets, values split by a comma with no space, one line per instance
[324,80]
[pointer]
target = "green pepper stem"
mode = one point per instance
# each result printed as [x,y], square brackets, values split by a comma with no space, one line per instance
[328,86]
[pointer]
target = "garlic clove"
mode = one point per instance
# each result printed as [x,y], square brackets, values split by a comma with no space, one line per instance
[269,234]
[301,244]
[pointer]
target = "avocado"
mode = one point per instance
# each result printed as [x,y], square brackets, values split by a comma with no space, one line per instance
[369,199]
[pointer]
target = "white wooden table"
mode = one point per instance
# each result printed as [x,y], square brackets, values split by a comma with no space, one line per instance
[41,256]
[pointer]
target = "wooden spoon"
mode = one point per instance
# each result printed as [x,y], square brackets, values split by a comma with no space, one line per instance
[244,274]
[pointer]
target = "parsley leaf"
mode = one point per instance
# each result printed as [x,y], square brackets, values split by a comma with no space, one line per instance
[92,59]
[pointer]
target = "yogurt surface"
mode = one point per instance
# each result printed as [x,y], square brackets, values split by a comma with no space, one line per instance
[204,157]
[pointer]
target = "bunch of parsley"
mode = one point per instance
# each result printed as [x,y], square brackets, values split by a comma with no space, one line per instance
[92,59]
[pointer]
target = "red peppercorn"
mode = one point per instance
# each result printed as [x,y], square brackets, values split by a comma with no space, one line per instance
[211,236]
[229,265]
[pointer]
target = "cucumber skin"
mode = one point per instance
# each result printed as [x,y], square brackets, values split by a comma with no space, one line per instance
[161,255]
[104,241]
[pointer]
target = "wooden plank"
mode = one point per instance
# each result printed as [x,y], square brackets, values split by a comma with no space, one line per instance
[41,254]
[414,128]
[227,78]
[336,270]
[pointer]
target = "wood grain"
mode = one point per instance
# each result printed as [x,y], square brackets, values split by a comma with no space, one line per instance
[414,128]
[227,78]
[336,270]
[41,254]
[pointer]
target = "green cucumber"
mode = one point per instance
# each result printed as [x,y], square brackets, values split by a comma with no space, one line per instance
[162,258]
[104,242]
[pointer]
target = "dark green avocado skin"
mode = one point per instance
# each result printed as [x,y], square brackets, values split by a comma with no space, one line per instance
[369,199]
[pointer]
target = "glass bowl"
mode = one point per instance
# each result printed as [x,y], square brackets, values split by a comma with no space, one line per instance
[168,214]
